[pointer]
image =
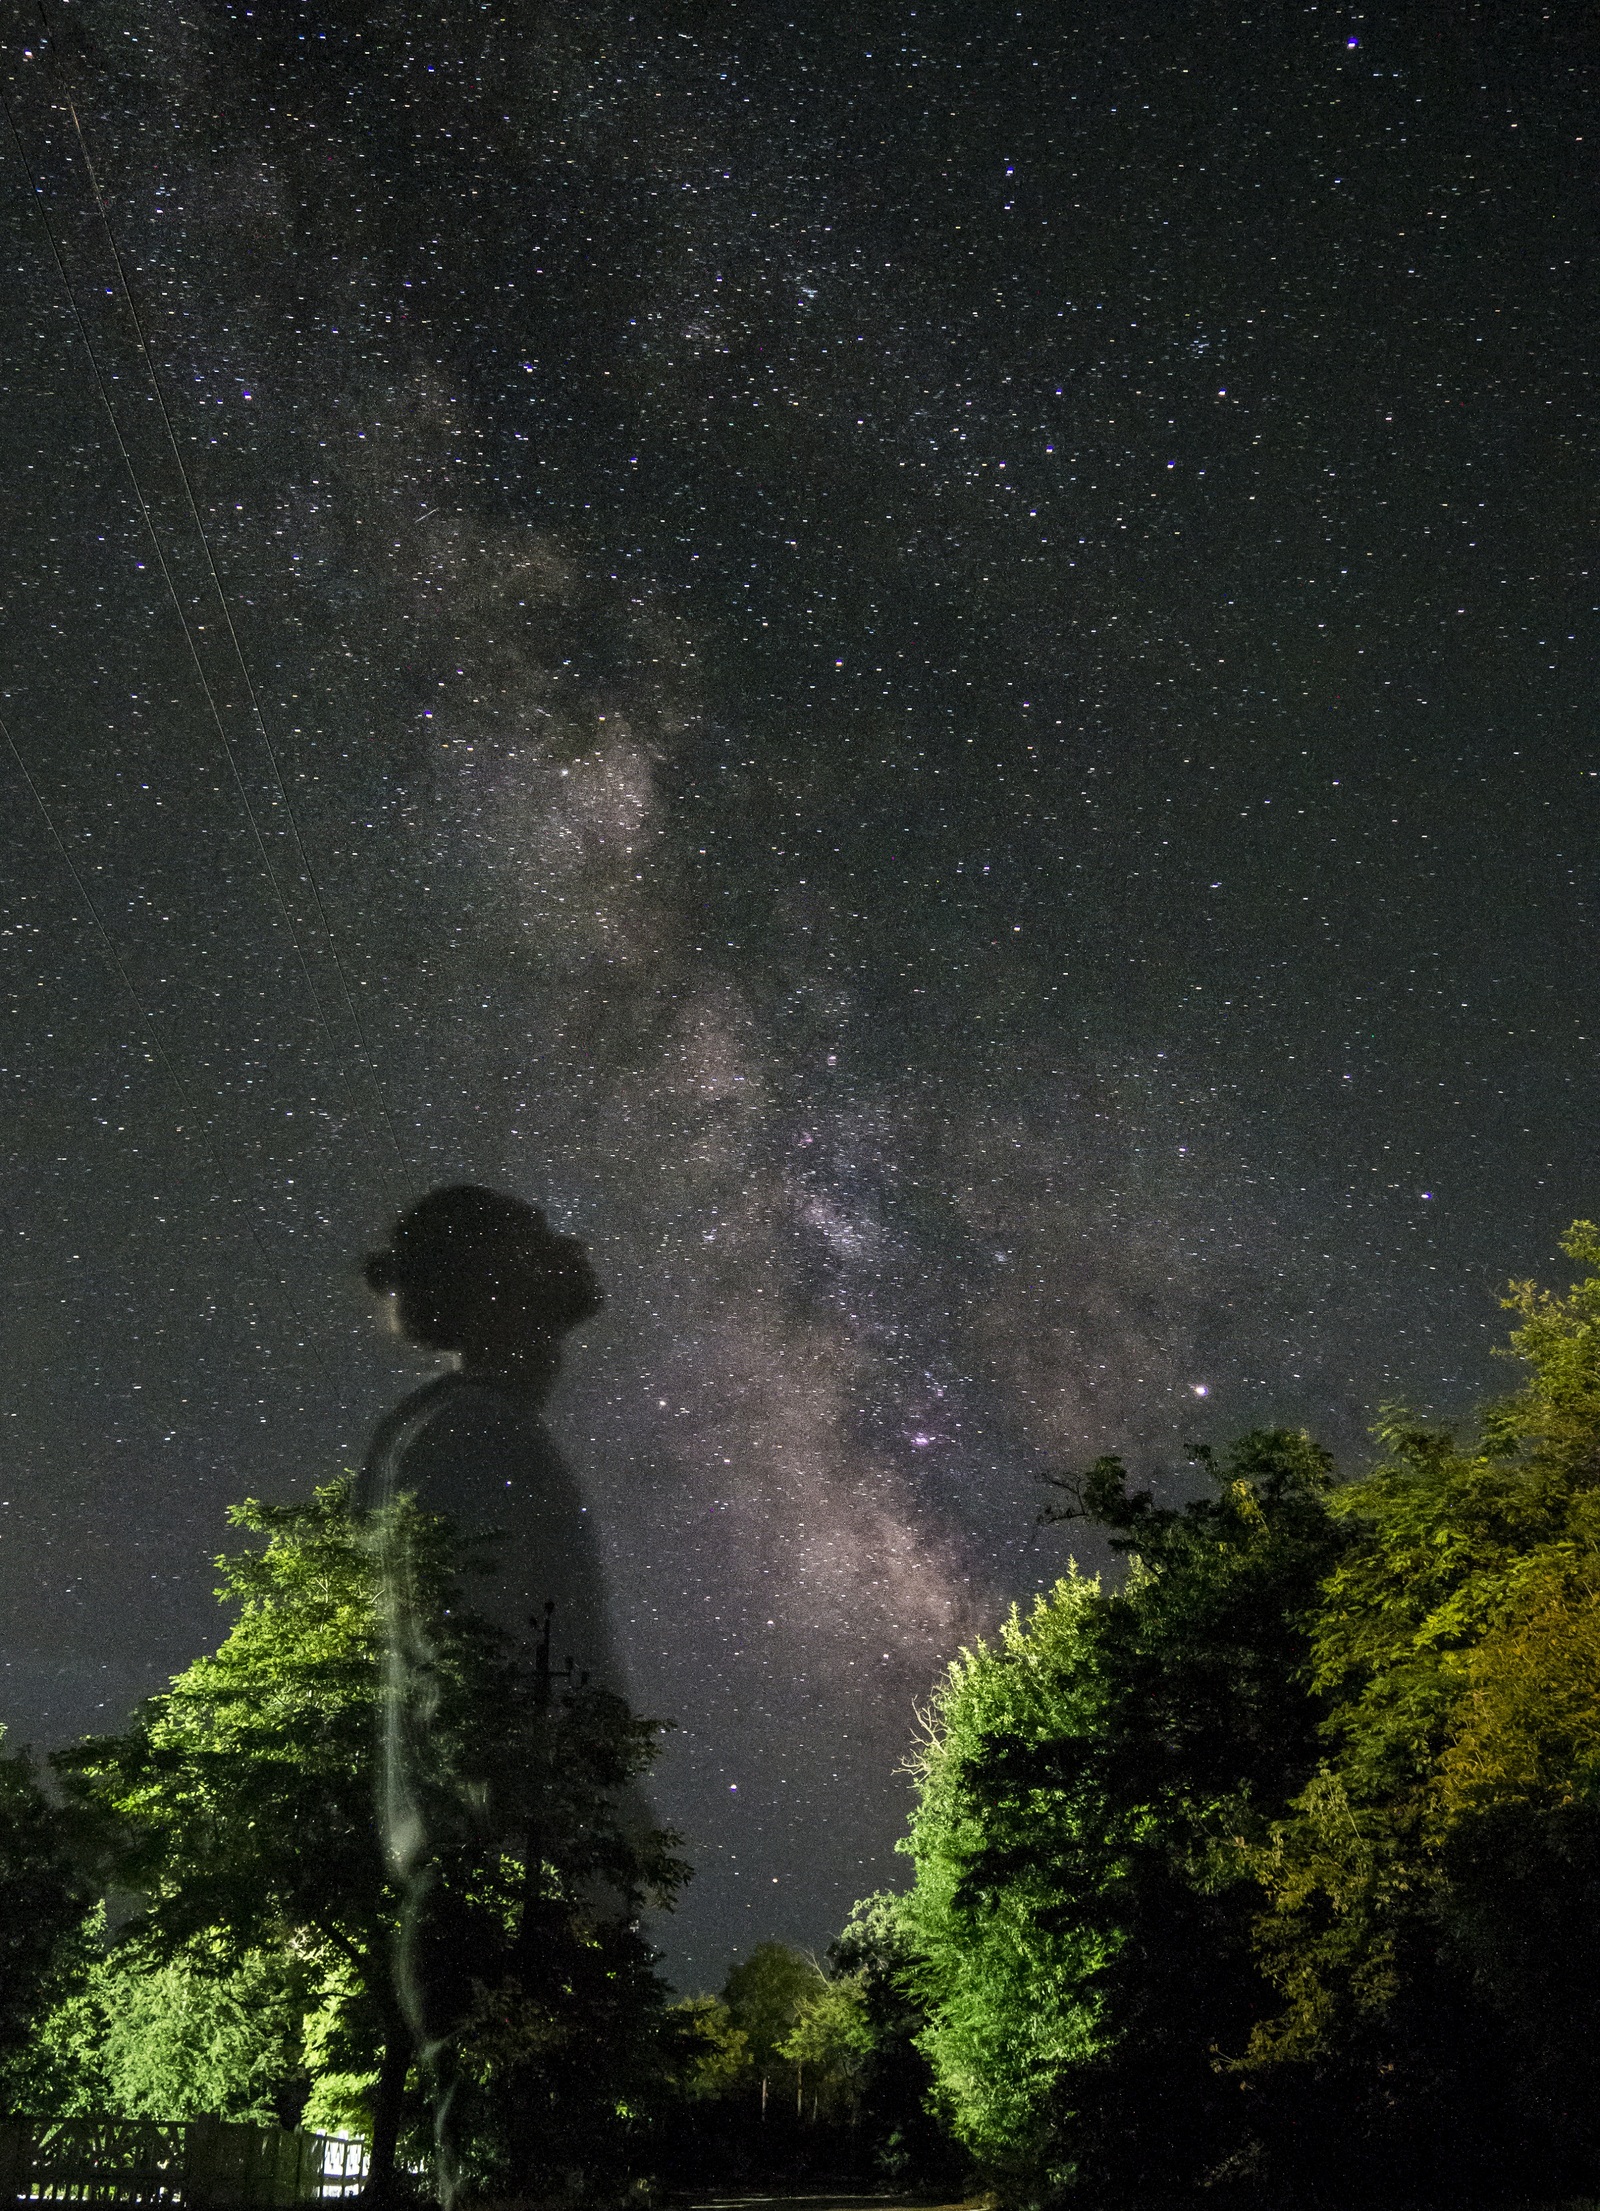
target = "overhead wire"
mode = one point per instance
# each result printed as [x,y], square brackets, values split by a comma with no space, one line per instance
[179,1086]
[193,1117]
[207,689]
[279,782]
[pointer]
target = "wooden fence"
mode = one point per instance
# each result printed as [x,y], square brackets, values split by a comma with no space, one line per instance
[204,2164]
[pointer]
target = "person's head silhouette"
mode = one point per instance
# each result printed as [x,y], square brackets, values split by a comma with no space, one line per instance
[485,1276]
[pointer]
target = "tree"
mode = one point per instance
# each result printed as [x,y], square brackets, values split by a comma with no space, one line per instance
[894,2091]
[712,2054]
[765,1996]
[45,1890]
[246,1802]
[1081,1911]
[836,2042]
[136,2038]
[830,2046]
[1433,1895]
[245,1794]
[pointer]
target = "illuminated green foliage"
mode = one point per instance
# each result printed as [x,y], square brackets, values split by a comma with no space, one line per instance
[1284,1856]
[139,2039]
[712,2054]
[1011,1982]
[1082,1905]
[805,2068]
[765,1995]
[242,1798]
[830,2046]
[242,1806]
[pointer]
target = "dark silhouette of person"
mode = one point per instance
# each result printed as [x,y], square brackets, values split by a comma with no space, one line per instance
[483,1276]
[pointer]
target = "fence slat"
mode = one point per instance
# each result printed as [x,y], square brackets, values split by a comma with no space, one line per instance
[201,2164]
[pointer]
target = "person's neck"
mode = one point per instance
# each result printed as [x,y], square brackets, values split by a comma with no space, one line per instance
[529,1369]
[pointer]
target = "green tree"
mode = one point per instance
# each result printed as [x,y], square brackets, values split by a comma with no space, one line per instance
[765,1995]
[245,1800]
[770,2076]
[1434,1893]
[1082,1905]
[138,2038]
[830,2047]
[44,1893]
[244,1795]
[901,2136]
[712,2054]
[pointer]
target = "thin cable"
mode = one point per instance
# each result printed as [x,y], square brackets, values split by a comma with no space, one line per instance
[193,1118]
[166,573]
[172,592]
[368,1061]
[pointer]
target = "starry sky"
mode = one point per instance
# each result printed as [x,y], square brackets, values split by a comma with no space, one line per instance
[930,667]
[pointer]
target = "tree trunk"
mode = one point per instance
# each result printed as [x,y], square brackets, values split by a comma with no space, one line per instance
[387,2104]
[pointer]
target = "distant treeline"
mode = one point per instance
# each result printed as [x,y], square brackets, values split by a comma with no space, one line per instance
[1268,1868]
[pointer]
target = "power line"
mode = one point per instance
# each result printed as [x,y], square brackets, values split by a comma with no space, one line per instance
[194,654]
[193,1118]
[244,668]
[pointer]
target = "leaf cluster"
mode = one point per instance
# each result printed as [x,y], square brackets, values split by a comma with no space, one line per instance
[1283,1855]
[1430,1894]
[240,1817]
[1086,1788]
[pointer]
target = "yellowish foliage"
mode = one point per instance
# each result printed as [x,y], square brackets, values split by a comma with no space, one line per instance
[1528,1724]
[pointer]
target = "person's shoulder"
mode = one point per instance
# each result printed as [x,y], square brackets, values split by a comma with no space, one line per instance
[468,1419]
[467,1401]
[464,1429]
[415,1410]
[396,1435]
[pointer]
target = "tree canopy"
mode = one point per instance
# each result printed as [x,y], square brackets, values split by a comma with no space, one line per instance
[1081,1909]
[241,1809]
[1283,1854]
[1433,1894]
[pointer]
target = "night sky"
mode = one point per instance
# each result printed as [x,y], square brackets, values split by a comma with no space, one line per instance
[931,668]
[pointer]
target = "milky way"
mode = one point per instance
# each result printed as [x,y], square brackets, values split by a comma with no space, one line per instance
[929,678]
